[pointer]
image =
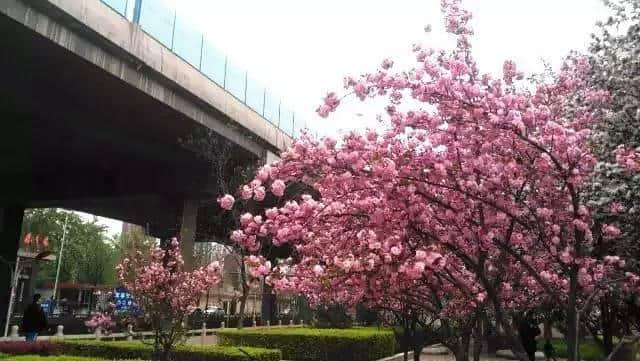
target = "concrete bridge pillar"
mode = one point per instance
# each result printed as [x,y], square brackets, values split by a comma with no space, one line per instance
[10,228]
[188,226]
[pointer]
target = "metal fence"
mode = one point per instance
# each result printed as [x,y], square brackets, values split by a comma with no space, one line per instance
[164,23]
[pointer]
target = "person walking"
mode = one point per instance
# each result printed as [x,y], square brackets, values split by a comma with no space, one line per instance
[33,320]
[528,331]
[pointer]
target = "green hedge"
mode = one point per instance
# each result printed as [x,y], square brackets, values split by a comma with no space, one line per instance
[313,344]
[138,350]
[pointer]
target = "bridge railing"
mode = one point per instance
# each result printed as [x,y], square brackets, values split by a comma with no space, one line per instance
[165,23]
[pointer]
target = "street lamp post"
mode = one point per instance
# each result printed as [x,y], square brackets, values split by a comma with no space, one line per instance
[64,235]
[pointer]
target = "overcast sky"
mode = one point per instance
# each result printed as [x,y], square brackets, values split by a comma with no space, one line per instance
[302,49]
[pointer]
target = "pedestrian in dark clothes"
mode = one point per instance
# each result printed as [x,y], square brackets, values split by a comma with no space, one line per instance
[528,330]
[34,320]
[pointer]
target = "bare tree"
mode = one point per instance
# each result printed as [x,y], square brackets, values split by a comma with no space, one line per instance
[227,173]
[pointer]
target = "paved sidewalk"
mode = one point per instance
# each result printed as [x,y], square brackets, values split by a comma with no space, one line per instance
[424,357]
[450,357]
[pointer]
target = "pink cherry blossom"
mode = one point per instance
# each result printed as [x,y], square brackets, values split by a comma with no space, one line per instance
[628,159]
[616,208]
[318,270]
[470,195]
[245,218]
[277,187]
[387,64]
[331,102]
[264,173]
[611,231]
[226,202]
[246,192]
[165,293]
[259,193]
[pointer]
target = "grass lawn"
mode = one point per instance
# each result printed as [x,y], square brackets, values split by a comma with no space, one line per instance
[589,349]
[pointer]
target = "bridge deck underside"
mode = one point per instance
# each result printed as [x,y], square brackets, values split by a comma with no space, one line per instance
[73,135]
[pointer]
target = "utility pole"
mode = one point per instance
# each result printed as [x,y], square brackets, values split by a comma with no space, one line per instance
[64,235]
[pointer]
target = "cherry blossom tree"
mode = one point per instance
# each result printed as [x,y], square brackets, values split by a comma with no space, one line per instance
[614,56]
[474,186]
[102,321]
[227,173]
[165,293]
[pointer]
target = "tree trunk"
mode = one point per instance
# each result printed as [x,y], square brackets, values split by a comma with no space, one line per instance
[516,344]
[156,347]
[547,332]
[268,304]
[573,319]
[243,303]
[607,317]
[416,341]
[166,353]
[490,332]
[477,340]
[160,350]
[245,294]
[417,350]
[406,337]
[461,352]
[461,355]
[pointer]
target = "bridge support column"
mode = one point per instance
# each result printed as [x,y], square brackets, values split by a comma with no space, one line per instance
[10,228]
[188,232]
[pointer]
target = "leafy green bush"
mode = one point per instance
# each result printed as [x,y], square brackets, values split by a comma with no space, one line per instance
[138,350]
[314,344]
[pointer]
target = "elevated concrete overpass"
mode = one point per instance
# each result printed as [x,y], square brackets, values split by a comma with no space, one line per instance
[92,111]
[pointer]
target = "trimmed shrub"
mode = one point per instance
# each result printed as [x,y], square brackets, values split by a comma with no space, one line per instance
[29,348]
[314,344]
[138,350]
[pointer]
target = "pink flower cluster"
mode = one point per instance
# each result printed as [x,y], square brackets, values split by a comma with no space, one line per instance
[161,286]
[473,197]
[510,73]
[331,102]
[628,159]
[100,321]
[226,202]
